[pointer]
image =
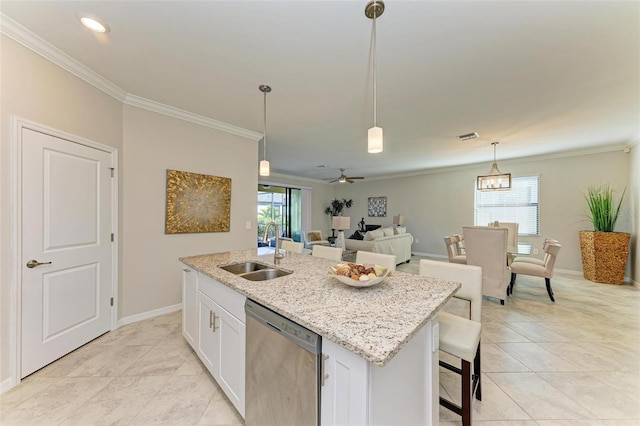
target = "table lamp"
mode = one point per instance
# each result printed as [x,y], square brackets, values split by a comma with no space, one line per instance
[398,220]
[340,223]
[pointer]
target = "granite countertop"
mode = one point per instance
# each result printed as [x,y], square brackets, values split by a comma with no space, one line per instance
[374,322]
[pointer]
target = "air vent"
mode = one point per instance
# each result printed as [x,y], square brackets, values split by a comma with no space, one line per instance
[468,136]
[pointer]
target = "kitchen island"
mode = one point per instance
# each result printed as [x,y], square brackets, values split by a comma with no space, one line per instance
[381,341]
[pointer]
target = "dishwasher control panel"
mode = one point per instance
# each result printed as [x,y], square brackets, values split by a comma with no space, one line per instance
[284,326]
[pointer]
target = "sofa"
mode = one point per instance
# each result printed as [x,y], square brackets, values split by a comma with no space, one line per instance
[391,240]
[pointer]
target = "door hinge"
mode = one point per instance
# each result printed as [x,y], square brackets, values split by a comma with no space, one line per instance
[112,237]
[112,301]
[112,170]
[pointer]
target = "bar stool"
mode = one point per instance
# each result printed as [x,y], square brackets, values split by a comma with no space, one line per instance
[460,336]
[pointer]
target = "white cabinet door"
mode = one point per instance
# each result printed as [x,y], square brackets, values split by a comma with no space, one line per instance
[231,334]
[345,392]
[221,346]
[190,306]
[208,343]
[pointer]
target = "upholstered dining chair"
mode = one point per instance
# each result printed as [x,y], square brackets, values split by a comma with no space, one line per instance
[292,246]
[545,271]
[331,253]
[453,244]
[385,260]
[512,230]
[535,260]
[486,246]
[460,336]
[312,238]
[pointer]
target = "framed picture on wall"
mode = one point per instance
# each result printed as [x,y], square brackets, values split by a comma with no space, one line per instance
[377,206]
[197,203]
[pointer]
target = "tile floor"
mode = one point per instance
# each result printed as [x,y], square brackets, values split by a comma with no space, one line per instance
[575,362]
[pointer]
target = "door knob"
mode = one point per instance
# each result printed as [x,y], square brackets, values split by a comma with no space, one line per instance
[34,263]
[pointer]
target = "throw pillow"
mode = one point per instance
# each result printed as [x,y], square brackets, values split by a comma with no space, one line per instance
[400,230]
[372,235]
[387,231]
[315,236]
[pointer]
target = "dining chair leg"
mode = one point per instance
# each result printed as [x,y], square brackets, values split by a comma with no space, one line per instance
[548,282]
[466,393]
[477,376]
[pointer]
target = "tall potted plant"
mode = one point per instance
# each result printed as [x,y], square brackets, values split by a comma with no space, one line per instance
[604,252]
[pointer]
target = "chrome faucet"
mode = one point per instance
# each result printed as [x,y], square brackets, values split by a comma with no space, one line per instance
[277,255]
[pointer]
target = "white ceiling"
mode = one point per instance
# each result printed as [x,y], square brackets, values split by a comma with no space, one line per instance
[540,77]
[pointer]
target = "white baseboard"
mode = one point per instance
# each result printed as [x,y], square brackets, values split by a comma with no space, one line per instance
[430,255]
[149,314]
[6,385]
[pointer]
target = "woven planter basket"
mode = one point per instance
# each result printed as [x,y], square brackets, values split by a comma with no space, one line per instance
[604,256]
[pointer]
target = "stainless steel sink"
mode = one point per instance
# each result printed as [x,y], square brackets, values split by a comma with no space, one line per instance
[265,274]
[244,267]
[254,271]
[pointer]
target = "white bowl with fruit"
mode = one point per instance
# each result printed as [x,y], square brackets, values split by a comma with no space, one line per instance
[359,274]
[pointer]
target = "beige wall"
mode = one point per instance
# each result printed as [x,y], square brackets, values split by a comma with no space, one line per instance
[634,196]
[34,89]
[440,203]
[154,143]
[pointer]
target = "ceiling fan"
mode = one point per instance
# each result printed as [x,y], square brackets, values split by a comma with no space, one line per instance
[344,178]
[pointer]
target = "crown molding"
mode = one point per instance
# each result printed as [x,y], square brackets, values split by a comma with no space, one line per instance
[562,154]
[20,34]
[31,41]
[180,114]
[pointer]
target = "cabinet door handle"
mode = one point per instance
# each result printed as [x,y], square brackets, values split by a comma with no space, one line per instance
[186,269]
[323,375]
[214,322]
[211,319]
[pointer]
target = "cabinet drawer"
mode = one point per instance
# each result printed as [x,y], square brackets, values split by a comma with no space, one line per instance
[229,299]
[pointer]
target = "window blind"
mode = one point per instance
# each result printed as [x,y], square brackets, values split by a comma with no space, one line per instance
[520,204]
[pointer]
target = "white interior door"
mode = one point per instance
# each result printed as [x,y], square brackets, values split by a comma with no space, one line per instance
[66,226]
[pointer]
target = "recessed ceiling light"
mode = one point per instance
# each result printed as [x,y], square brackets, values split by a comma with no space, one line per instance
[322,166]
[93,24]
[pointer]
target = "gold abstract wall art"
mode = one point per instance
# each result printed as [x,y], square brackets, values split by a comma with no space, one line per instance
[197,203]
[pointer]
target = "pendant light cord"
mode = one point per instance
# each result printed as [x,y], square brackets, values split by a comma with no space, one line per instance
[375,74]
[264,141]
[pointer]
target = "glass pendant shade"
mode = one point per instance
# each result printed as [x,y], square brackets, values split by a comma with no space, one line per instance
[264,168]
[375,140]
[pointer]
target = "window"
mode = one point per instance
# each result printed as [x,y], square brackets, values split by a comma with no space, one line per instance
[520,204]
[282,206]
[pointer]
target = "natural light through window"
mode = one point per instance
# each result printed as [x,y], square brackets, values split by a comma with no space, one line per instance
[521,204]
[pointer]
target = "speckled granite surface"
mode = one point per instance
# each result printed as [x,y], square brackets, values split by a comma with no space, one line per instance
[374,322]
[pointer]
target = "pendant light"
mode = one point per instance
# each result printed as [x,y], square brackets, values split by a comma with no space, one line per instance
[495,180]
[264,164]
[374,136]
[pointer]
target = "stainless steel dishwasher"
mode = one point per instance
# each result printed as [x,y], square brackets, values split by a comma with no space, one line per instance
[282,370]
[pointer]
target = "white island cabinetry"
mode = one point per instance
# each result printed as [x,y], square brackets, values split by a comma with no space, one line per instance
[379,360]
[357,392]
[190,305]
[219,340]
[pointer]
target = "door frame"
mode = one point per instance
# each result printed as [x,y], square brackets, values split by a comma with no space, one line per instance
[15,292]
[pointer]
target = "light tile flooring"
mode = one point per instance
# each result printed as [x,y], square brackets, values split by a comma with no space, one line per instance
[575,362]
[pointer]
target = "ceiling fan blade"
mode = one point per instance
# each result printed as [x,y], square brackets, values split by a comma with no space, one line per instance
[332,181]
[355,177]
[349,180]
